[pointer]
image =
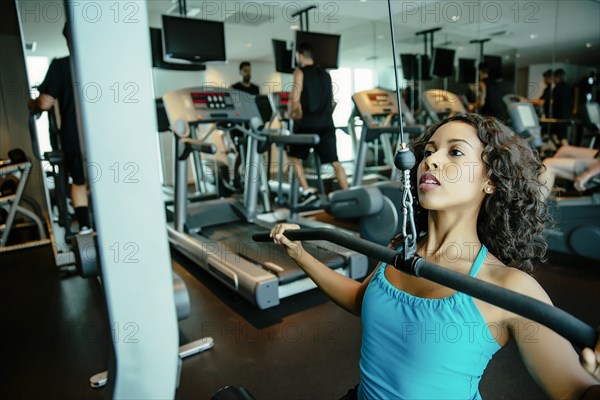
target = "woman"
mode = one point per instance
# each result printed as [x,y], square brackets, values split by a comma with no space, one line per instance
[480,213]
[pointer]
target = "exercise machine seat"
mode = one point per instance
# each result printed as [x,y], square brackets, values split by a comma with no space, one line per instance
[355,202]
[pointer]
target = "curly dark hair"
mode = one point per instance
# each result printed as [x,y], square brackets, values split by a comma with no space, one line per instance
[511,222]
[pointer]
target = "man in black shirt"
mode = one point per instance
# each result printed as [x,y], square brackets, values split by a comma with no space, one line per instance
[489,102]
[247,87]
[311,106]
[562,103]
[547,94]
[58,85]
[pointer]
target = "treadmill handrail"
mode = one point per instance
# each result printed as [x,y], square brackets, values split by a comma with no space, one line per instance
[199,145]
[296,138]
[35,145]
[263,136]
[576,331]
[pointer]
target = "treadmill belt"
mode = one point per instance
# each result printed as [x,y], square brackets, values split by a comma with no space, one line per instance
[237,238]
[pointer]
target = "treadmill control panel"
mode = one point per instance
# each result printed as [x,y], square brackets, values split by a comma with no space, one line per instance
[281,101]
[212,100]
[380,99]
[374,102]
[198,105]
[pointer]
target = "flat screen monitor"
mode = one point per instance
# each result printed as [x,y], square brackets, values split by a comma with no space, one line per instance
[425,68]
[283,57]
[409,66]
[526,115]
[495,65]
[467,72]
[193,40]
[593,112]
[158,55]
[443,62]
[325,47]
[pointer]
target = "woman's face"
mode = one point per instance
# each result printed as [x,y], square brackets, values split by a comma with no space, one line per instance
[451,175]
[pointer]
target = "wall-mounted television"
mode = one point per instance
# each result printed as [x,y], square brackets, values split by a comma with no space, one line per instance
[283,57]
[158,55]
[425,67]
[467,71]
[442,62]
[325,47]
[193,40]
[410,66]
[495,65]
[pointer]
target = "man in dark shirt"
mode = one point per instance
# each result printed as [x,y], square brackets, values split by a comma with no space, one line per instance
[58,86]
[247,87]
[547,93]
[562,103]
[311,106]
[489,102]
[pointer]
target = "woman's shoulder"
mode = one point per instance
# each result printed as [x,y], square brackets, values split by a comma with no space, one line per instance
[497,273]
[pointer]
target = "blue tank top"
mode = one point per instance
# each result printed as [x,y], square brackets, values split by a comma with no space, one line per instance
[418,348]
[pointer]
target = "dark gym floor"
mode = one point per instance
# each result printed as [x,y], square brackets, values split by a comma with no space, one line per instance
[55,335]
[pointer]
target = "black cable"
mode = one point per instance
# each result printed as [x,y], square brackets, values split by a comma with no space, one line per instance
[398,97]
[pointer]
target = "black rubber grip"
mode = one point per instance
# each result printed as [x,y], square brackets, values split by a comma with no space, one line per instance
[297,138]
[207,148]
[576,331]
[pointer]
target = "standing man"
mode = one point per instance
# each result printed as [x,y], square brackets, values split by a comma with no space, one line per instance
[547,93]
[311,107]
[562,103]
[245,85]
[489,102]
[58,85]
[250,88]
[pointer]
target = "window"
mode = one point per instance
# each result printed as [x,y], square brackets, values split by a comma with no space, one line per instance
[36,72]
[346,82]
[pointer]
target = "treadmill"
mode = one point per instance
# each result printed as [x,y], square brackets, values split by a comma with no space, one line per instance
[377,109]
[217,234]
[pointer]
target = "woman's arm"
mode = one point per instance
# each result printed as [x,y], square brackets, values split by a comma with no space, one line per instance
[345,292]
[550,359]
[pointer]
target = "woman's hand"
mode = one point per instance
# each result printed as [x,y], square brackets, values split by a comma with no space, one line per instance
[590,359]
[294,249]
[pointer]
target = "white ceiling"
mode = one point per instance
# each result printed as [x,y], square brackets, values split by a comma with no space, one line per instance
[532,31]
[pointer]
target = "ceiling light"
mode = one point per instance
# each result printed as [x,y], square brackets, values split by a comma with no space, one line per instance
[588,45]
[533,36]
[295,27]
